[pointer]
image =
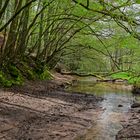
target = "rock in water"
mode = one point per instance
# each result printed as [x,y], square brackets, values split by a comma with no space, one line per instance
[135,105]
[136,90]
[120,105]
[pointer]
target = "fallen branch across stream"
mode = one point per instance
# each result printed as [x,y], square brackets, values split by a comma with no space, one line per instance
[82,75]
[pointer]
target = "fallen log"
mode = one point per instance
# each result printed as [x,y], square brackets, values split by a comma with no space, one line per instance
[112,80]
[81,75]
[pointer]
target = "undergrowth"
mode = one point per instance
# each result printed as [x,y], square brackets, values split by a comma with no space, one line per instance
[131,77]
[17,73]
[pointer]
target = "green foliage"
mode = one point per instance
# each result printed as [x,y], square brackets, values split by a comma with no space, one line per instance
[45,75]
[138,1]
[26,71]
[135,80]
[129,76]
[96,5]
[11,76]
[16,75]
[78,10]
[4,81]
[87,36]
[121,75]
[35,72]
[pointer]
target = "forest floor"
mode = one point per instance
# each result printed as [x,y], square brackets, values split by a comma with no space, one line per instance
[43,111]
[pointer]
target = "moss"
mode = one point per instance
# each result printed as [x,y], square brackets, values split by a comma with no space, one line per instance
[15,74]
[45,75]
[31,74]
[4,81]
[121,75]
[26,71]
[11,75]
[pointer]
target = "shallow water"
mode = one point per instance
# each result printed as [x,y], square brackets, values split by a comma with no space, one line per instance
[109,122]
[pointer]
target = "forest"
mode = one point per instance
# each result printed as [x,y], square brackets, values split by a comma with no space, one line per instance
[50,47]
[100,37]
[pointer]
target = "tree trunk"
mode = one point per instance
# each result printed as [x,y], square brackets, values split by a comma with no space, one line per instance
[12,35]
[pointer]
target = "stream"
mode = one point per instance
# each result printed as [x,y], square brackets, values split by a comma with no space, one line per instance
[116,104]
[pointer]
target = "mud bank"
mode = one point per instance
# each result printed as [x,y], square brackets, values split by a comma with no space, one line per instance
[40,111]
[131,127]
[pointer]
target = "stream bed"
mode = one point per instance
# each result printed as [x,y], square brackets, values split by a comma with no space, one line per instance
[116,104]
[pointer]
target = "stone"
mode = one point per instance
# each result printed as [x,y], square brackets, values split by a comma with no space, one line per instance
[120,105]
[135,105]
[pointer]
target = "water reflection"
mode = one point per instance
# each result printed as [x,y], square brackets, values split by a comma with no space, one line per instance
[118,99]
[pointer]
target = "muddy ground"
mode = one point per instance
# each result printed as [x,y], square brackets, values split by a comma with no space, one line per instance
[43,111]
[131,127]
